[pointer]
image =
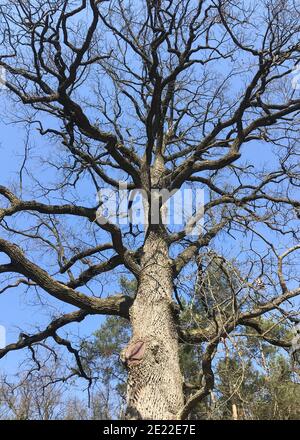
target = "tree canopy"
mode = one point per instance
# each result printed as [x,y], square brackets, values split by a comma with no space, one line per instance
[156,97]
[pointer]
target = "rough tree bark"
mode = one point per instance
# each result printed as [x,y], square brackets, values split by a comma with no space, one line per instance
[155,383]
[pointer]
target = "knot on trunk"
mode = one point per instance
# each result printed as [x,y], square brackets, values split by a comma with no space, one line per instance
[146,351]
[133,354]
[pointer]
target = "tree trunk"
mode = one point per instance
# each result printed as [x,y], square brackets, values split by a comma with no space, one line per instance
[234,412]
[154,379]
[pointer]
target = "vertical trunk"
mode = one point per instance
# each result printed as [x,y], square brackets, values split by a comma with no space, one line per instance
[154,377]
[234,412]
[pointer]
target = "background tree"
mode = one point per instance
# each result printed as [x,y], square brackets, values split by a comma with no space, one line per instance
[257,387]
[163,95]
[254,381]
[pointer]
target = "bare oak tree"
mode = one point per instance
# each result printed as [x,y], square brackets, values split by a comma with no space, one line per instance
[162,95]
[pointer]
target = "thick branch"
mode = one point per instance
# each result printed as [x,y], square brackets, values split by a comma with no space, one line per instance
[117,305]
